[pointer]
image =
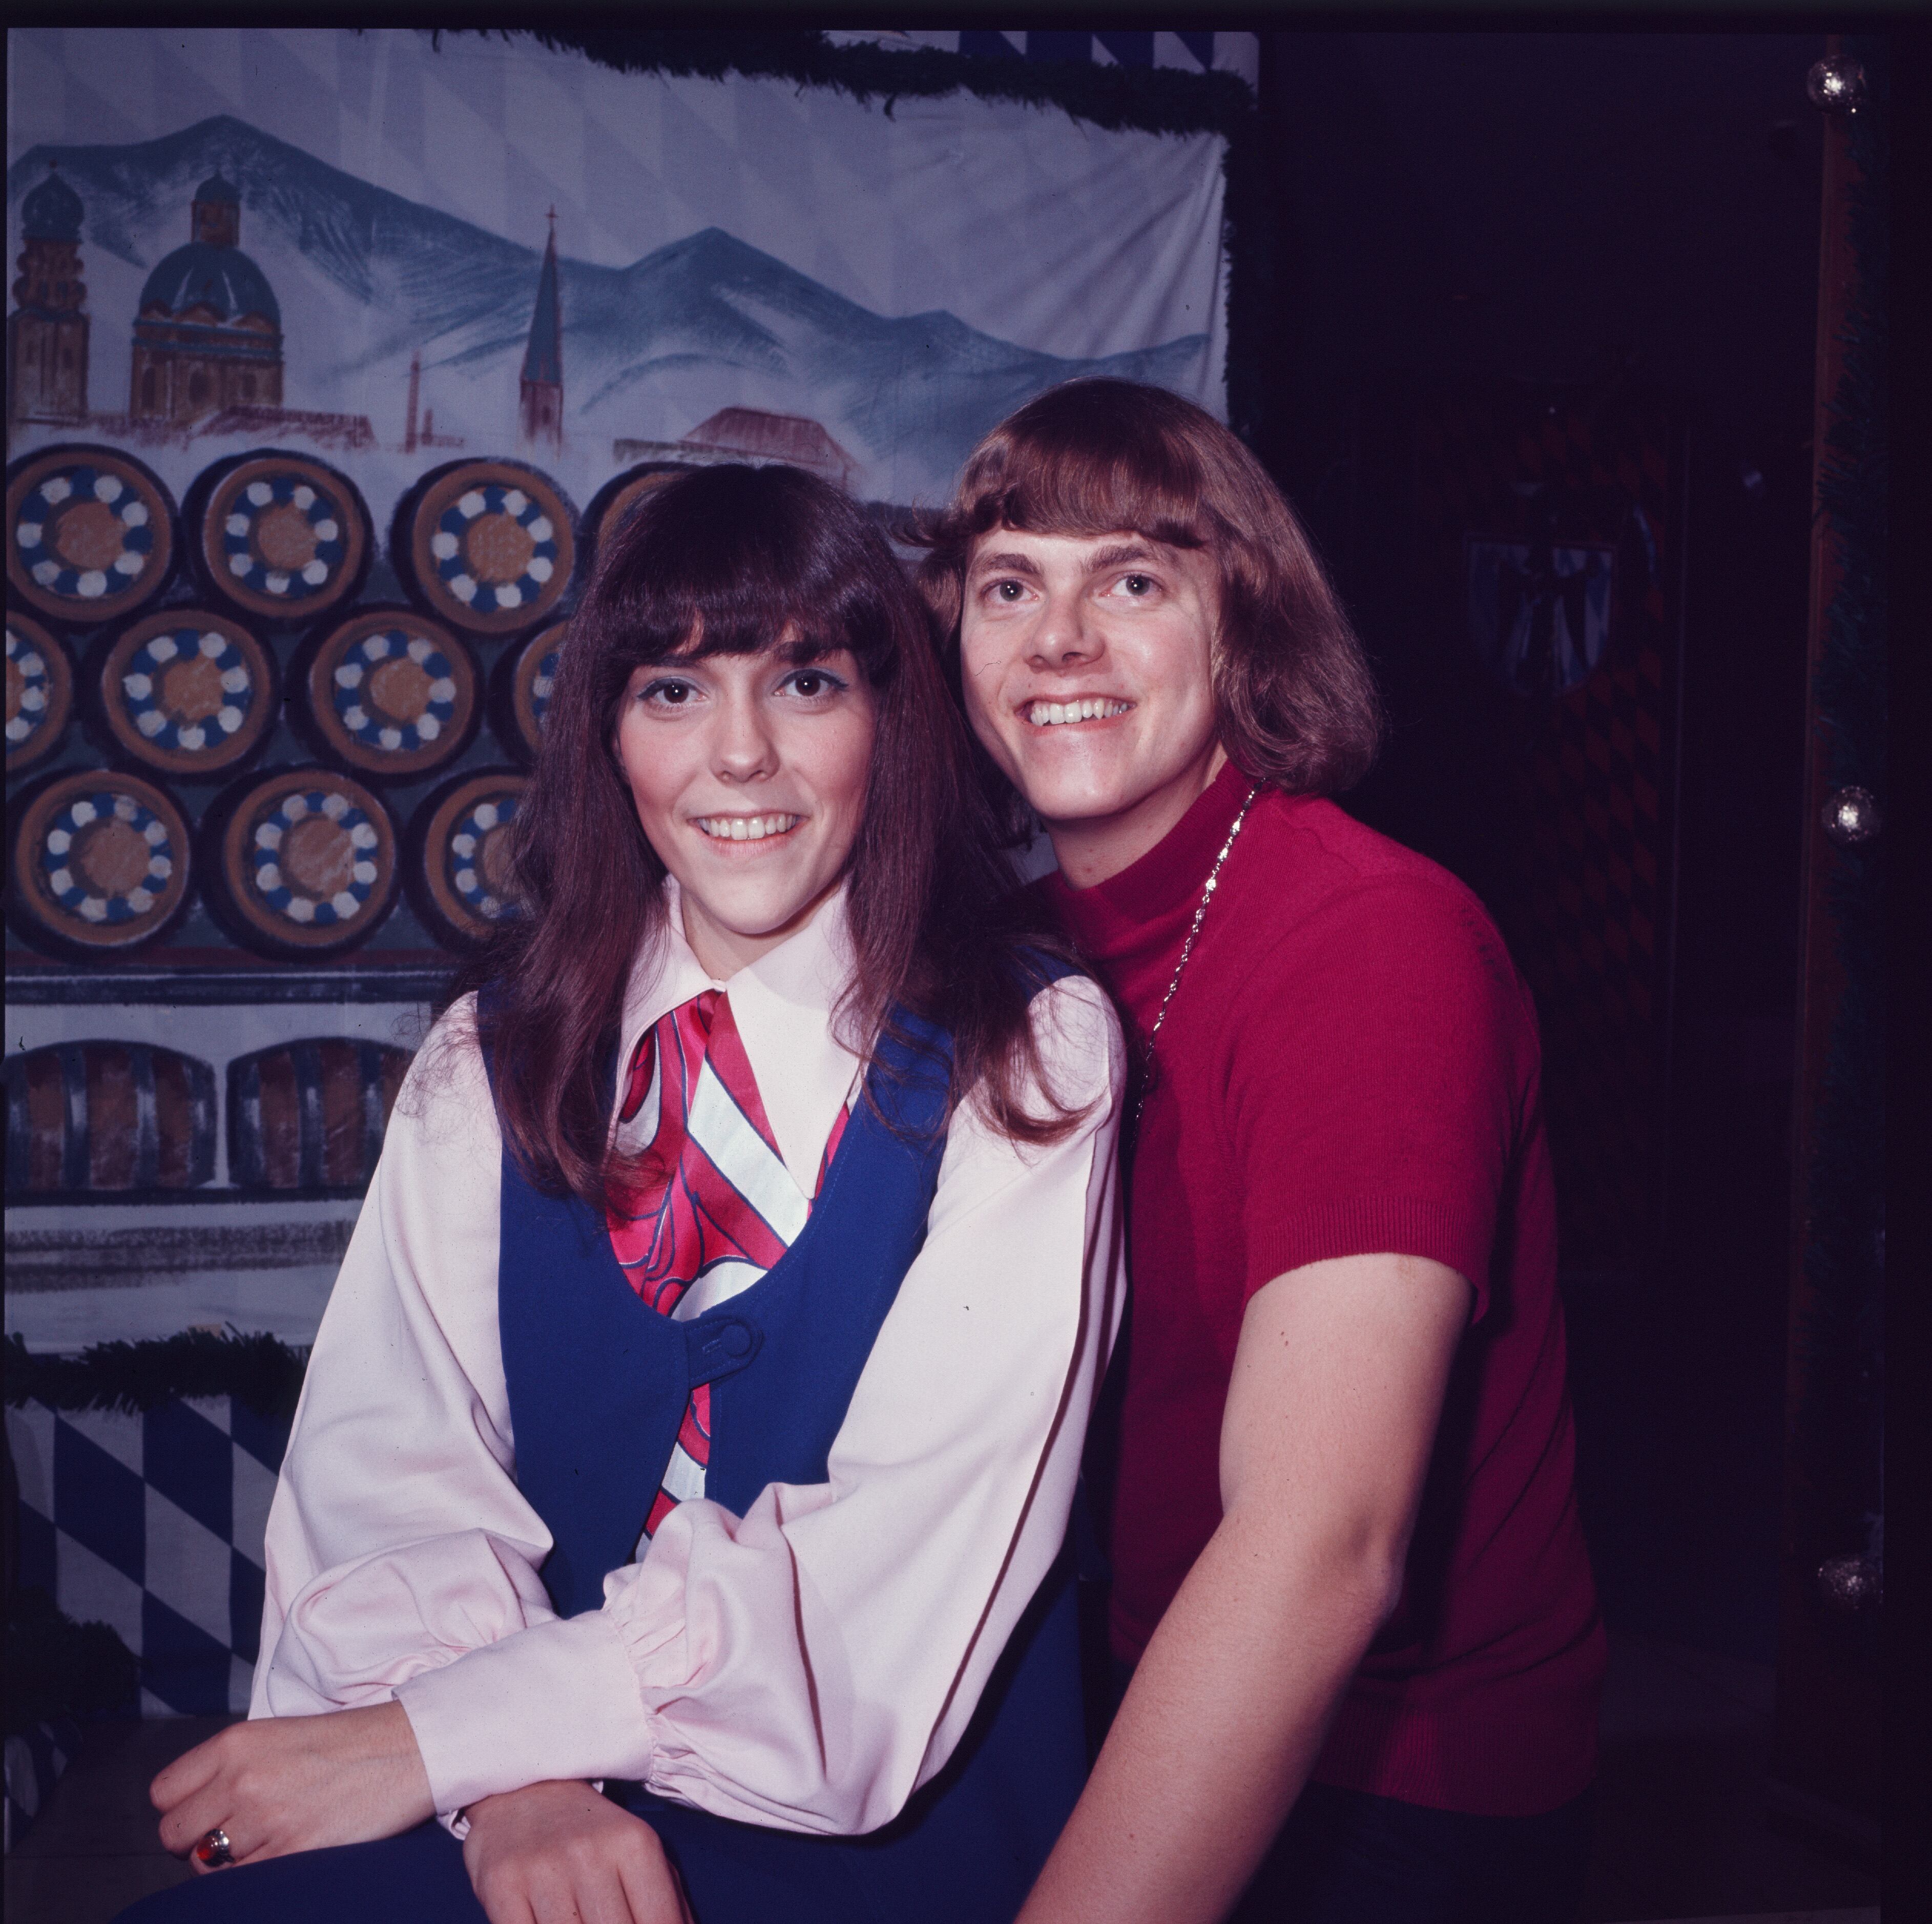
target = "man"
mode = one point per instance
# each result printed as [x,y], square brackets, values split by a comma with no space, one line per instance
[1348,1577]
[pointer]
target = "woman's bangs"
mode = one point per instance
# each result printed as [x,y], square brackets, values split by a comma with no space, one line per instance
[698,585]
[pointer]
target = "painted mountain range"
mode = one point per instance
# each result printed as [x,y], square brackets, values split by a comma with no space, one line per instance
[367,278]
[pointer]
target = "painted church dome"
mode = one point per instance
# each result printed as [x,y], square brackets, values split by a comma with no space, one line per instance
[203,275]
[51,212]
[211,271]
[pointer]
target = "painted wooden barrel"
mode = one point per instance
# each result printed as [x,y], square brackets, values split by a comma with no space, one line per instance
[302,862]
[101,861]
[40,693]
[388,692]
[310,1115]
[487,545]
[458,865]
[520,688]
[618,496]
[90,1118]
[279,536]
[186,691]
[90,534]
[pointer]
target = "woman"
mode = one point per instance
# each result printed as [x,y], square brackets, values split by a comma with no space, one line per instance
[699,1407]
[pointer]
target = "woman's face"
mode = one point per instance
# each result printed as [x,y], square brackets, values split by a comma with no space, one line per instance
[749,772]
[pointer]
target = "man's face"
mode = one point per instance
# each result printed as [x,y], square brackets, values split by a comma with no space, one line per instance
[1088,666]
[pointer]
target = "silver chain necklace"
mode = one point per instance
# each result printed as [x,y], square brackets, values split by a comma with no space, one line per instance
[1187,949]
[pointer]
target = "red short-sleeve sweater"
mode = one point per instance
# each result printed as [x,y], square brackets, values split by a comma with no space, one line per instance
[1350,1066]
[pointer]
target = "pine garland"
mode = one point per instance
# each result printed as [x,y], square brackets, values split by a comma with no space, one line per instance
[56,1668]
[1145,99]
[135,1377]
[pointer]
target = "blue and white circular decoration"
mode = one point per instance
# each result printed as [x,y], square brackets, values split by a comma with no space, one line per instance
[542,682]
[89,535]
[491,547]
[495,551]
[309,860]
[281,535]
[326,892]
[464,872]
[97,891]
[532,679]
[189,692]
[108,854]
[472,875]
[40,693]
[391,694]
[395,727]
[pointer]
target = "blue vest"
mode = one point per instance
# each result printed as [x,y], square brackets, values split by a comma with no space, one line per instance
[598,1385]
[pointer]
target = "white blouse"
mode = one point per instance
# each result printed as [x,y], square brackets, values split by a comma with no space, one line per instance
[807,1665]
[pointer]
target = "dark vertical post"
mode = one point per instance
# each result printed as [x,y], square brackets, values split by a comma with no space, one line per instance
[1827,1755]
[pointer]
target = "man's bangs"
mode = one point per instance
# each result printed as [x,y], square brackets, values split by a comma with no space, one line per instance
[1085,492]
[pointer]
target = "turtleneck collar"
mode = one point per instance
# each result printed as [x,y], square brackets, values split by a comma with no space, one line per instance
[1139,901]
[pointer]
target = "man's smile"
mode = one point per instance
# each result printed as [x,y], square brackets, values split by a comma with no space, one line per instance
[1058,715]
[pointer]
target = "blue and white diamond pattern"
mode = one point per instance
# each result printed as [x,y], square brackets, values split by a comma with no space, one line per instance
[378,730]
[72,892]
[1191,53]
[58,495]
[281,895]
[325,518]
[154,1523]
[140,683]
[449,545]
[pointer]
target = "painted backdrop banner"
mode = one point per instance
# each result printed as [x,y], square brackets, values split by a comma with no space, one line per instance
[330,356]
[886,280]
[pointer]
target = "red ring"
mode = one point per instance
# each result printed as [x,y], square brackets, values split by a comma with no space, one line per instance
[214,1850]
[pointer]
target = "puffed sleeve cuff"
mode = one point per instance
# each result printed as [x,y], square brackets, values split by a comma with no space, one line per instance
[555,1702]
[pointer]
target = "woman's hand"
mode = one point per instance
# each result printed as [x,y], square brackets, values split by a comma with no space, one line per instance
[557,1853]
[281,1784]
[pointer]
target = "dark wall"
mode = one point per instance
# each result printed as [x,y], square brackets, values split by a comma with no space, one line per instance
[1603,217]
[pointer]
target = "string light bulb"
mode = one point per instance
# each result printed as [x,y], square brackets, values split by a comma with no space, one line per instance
[1853,816]
[1836,84]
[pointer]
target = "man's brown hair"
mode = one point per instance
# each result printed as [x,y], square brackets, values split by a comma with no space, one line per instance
[1297,704]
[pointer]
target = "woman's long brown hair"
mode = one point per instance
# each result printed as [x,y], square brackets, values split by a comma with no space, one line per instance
[737,557]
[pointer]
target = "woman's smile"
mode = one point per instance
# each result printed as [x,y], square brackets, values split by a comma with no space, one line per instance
[745,828]
[749,773]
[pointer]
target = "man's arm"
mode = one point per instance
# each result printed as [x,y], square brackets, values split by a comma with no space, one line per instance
[1331,1415]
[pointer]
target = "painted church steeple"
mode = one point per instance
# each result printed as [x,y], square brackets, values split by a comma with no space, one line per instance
[540,393]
